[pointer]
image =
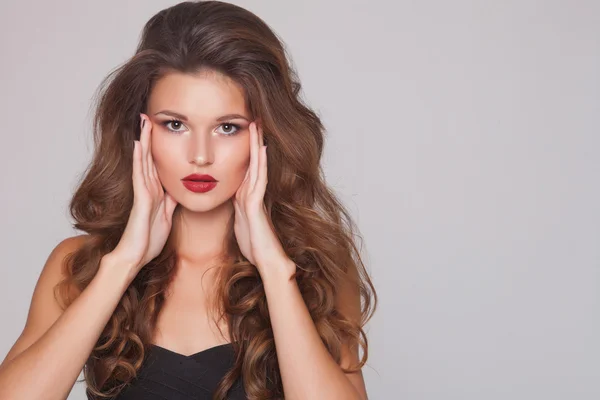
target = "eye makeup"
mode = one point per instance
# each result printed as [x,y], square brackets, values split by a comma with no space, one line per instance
[179,123]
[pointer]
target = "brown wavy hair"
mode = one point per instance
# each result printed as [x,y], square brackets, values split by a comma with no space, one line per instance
[315,229]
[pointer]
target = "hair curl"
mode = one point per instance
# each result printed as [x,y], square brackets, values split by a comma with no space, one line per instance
[315,229]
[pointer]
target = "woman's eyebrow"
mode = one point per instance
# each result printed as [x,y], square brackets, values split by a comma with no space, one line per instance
[232,116]
[185,119]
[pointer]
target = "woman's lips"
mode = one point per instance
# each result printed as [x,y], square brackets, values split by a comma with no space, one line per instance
[199,183]
[200,177]
[199,186]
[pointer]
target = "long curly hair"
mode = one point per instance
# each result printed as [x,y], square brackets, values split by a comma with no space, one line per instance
[315,229]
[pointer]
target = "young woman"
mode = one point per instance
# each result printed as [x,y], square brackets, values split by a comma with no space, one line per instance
[216,263]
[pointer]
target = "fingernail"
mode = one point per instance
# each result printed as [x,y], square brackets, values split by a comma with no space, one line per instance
[143,121]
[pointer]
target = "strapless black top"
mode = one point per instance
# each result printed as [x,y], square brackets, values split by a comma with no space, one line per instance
[167,375]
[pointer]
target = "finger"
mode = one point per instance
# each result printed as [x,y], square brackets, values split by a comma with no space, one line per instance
[261,183]
[155,175]
[240,193]
[149,159]
[144,145]
[170,205]
[247,174]
[236,207]
[137,177]
[253,155]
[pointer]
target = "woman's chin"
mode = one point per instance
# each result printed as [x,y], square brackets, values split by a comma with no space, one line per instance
[204,205]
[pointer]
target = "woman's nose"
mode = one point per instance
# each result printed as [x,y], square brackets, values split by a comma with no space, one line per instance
[201,152]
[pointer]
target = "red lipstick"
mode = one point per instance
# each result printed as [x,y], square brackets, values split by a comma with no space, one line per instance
[199,183]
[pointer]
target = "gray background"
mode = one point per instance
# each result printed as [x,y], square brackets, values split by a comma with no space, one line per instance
[463,136]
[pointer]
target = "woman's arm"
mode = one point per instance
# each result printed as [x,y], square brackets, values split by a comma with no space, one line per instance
[307,369]
[46,360]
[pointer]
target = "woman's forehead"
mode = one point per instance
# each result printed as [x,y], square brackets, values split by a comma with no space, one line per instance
[197,95]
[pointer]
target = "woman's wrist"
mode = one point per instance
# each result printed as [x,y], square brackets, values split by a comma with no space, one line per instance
[120,270]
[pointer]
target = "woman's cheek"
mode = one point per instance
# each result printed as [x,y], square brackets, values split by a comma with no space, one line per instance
[162,171]
[242,169]
[238,158]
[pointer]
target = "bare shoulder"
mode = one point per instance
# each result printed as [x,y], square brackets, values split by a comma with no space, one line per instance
[55,268]
[45,308]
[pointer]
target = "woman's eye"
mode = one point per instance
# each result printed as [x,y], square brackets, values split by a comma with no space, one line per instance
[229,129]
[176,124]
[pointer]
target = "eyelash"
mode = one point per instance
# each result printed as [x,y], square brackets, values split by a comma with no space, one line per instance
[236,126]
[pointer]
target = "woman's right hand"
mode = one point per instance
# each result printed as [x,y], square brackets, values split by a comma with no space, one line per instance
[151,216]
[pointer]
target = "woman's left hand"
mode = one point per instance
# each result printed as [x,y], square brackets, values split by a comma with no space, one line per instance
[253,230]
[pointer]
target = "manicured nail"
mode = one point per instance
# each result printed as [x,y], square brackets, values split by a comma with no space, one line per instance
[143,121]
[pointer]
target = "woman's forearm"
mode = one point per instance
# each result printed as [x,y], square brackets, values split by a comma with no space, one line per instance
[307,369]
[49,367]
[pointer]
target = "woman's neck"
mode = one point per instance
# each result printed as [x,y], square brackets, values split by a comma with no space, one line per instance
[200,238]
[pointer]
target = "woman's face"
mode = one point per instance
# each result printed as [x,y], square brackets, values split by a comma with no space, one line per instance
[200,125]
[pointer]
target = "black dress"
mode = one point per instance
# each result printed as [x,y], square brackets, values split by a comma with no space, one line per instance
[166,375]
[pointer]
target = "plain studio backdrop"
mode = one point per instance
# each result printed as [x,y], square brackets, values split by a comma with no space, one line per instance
[463,136]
